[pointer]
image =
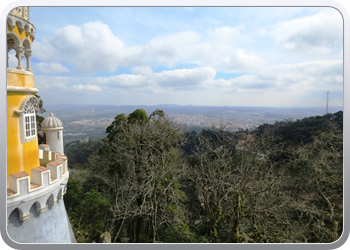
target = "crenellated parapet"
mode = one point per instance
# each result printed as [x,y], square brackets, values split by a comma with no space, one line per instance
[43,187]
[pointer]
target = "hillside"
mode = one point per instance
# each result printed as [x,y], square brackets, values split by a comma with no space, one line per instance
[153,181]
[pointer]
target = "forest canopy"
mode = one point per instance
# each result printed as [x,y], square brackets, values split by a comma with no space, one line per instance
[151,180]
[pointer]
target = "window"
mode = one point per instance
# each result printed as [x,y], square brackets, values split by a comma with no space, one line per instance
[29,121]
[26,114]
[58,135]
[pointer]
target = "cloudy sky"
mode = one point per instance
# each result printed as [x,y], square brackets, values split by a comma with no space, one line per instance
[232,56]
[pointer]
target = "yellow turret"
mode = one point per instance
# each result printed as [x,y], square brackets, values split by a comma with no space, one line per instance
[22,143]
[36,176]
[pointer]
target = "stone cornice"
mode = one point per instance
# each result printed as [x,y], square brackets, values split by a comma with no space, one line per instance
[18,18]
[21,89]
[20,71]
[50,129]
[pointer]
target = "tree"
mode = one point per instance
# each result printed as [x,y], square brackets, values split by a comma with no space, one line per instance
[319,167]
[142,163]
[227,187]
[239,190]
[90,216]
[39,118]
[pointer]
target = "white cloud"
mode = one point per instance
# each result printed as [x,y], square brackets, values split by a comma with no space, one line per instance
[93,48]
[185,60]
[298,78]
[224,34]
[157,82]
[170,49]
[293,78]
[219,51]
[88,49]
[178,79]
[86,87]
[280,85]
[315,34]
[239,60]
[49,68]
[54,83]
[122,81]
[146,70]
[184,78]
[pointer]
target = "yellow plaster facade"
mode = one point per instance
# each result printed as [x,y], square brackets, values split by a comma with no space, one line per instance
[21,156]
[20,79]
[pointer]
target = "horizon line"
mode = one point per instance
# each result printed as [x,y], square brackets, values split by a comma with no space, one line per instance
[186,105]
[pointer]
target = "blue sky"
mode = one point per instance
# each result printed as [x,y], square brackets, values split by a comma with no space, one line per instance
[246,56]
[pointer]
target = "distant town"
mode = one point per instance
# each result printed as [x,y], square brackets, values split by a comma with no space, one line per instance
[88,122]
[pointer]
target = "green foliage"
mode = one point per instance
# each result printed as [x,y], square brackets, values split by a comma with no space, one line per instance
[90,215]
[151,181]
[179,234]
[138,117]
[301,131]
[73,194]
[117,124]
[39,119]
[79,152]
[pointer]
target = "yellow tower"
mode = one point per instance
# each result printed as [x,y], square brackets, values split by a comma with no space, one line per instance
[36,177]
[22,145]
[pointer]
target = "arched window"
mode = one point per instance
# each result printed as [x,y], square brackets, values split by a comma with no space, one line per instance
[29,121]
[27,118]
[14,48]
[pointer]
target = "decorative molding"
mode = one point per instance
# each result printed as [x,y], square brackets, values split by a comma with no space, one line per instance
[11,23]
[15,20]
[22,89]
[18,112]
[20,27]
[22,72]
[35,103]
[21,12]
[28,31]
[48,129]
[33,100]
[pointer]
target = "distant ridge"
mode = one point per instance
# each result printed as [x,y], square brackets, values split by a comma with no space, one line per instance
[188,105]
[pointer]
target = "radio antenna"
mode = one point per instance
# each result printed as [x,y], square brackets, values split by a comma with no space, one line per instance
[327,103]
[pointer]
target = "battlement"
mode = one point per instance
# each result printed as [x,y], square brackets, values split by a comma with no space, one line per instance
[43,187]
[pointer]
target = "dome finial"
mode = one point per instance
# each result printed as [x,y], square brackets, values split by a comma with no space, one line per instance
[51,122]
